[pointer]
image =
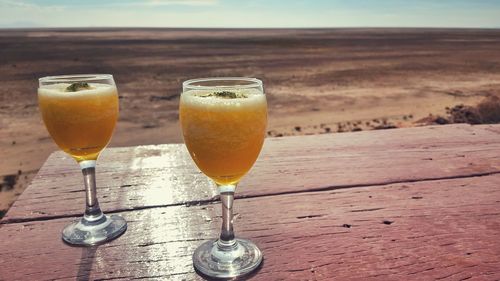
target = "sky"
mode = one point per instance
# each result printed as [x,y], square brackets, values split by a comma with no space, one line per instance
[250,14]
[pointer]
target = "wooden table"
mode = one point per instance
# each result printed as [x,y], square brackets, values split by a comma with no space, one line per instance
[404,204]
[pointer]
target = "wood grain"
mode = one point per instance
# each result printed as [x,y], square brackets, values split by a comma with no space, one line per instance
[164,175]
[439,230]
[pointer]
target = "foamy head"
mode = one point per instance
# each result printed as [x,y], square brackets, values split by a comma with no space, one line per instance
[59,90]
[234,99]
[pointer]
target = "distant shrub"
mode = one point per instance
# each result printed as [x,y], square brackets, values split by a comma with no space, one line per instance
[464,114]
[489,109]
[486,112]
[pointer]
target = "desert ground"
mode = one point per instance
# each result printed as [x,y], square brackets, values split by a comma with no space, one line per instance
[316,80]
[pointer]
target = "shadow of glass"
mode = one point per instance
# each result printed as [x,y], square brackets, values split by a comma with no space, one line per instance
[86,262]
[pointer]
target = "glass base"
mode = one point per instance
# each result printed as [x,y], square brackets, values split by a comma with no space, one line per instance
[87,233]
[229,261]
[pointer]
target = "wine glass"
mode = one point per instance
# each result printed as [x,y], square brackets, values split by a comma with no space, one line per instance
[80,113]
[224,123]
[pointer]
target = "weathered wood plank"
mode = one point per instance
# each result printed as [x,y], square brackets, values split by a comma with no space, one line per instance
[440,230]
[148,176]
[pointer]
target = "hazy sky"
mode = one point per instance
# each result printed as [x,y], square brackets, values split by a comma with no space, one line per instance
[257,13]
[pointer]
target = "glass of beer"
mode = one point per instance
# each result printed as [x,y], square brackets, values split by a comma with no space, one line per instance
[80,113]
[224,123]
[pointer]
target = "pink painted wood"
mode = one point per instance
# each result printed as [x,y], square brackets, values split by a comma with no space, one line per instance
[164,175]
[405,204]
[440,230]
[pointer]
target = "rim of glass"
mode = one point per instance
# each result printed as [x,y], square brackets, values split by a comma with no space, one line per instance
[75,77]
[251,83]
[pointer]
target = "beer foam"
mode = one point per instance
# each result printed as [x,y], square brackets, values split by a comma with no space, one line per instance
[59,90]
[203,98]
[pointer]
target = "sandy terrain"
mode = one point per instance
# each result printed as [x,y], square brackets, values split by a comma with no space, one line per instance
[317,81]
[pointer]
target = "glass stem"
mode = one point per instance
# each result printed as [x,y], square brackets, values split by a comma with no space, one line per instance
[226,238]
[93,212]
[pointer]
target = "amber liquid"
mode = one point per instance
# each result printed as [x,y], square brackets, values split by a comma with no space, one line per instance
[224,137]
[81,123]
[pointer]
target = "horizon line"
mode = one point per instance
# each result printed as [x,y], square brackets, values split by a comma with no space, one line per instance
[241,28]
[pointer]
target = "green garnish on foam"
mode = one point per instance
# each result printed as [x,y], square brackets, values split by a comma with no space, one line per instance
[77,86]
[225,95]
